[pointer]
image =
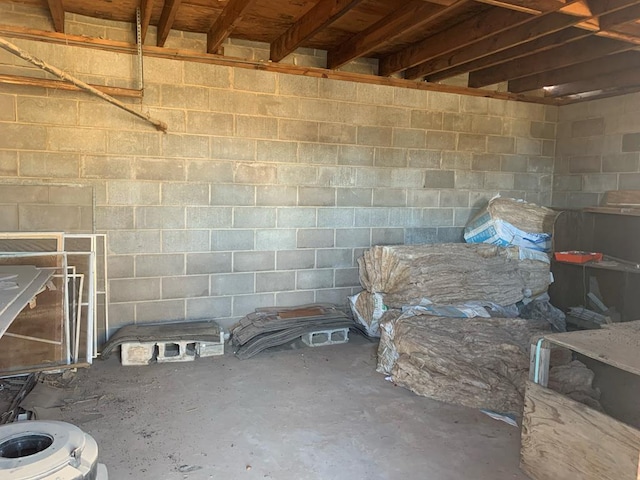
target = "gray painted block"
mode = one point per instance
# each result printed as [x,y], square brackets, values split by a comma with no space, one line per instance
[209,263]
[312,279]
[208,307]
[275,281]
[232,284]
[159,265]
[134,289]
[295,259]
[209,217]
[254,217]
[417,236]
[222,240]
[315,238]
[317,196]
[354,237]
[245,304]
[185,194]
[276,239]
[334,258]
[159,217]
[387,236]
[185,286]
[253,261]
[160,311]
[276,196]
[296,217]
[233,195]
[336,217]
[185,241]
[372,217]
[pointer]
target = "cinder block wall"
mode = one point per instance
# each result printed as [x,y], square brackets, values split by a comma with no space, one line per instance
[598,150]
[267,187]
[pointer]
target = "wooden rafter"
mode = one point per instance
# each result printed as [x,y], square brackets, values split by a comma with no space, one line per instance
[570,54]
[167,18]
[146,8]
[226,23]
[540,45]
[620,17]
[57,14]
[527,6]
[621,79]
[574,73]
[446,64]
[322,14]
[458,36]
[538,34]
[412,15]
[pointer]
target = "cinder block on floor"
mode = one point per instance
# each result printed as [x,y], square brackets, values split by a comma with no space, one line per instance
[144,353]
[136,353]
[326,337]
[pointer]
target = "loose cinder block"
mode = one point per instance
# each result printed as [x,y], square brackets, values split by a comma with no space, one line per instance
[136,353]
[322,338]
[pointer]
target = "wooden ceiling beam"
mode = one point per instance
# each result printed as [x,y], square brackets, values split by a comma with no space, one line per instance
[533,7]
[620,17]
[570,54]
[464,33]
[621,79]
[538,34]
[574,73]
[445,65]
[412,15]
[146,8]
[226,23]
[167,18]
[57,14]
[324,13]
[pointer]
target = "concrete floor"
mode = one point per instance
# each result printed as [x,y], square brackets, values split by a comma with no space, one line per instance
[312,413]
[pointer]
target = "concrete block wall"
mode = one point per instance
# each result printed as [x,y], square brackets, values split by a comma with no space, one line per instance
[267,187]
[598,150]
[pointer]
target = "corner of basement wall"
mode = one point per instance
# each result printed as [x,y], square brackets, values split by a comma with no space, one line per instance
[268,187]
[598,149]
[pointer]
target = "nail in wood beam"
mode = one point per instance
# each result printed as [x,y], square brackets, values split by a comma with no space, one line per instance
[57,14]
[230,17]
[146,8]
[15,50]
[167,18]
[323,14]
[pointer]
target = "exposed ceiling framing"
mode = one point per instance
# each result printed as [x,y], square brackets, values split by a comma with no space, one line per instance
[571,49]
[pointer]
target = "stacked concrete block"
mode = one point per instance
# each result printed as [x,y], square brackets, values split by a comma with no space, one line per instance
[598,150]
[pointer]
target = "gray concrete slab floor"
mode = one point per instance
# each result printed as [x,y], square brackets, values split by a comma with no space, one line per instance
[308,413]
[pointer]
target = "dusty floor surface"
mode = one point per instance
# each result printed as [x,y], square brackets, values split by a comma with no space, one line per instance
[312,413]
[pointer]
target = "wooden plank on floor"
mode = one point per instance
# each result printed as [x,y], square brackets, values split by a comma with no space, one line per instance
[566,440]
